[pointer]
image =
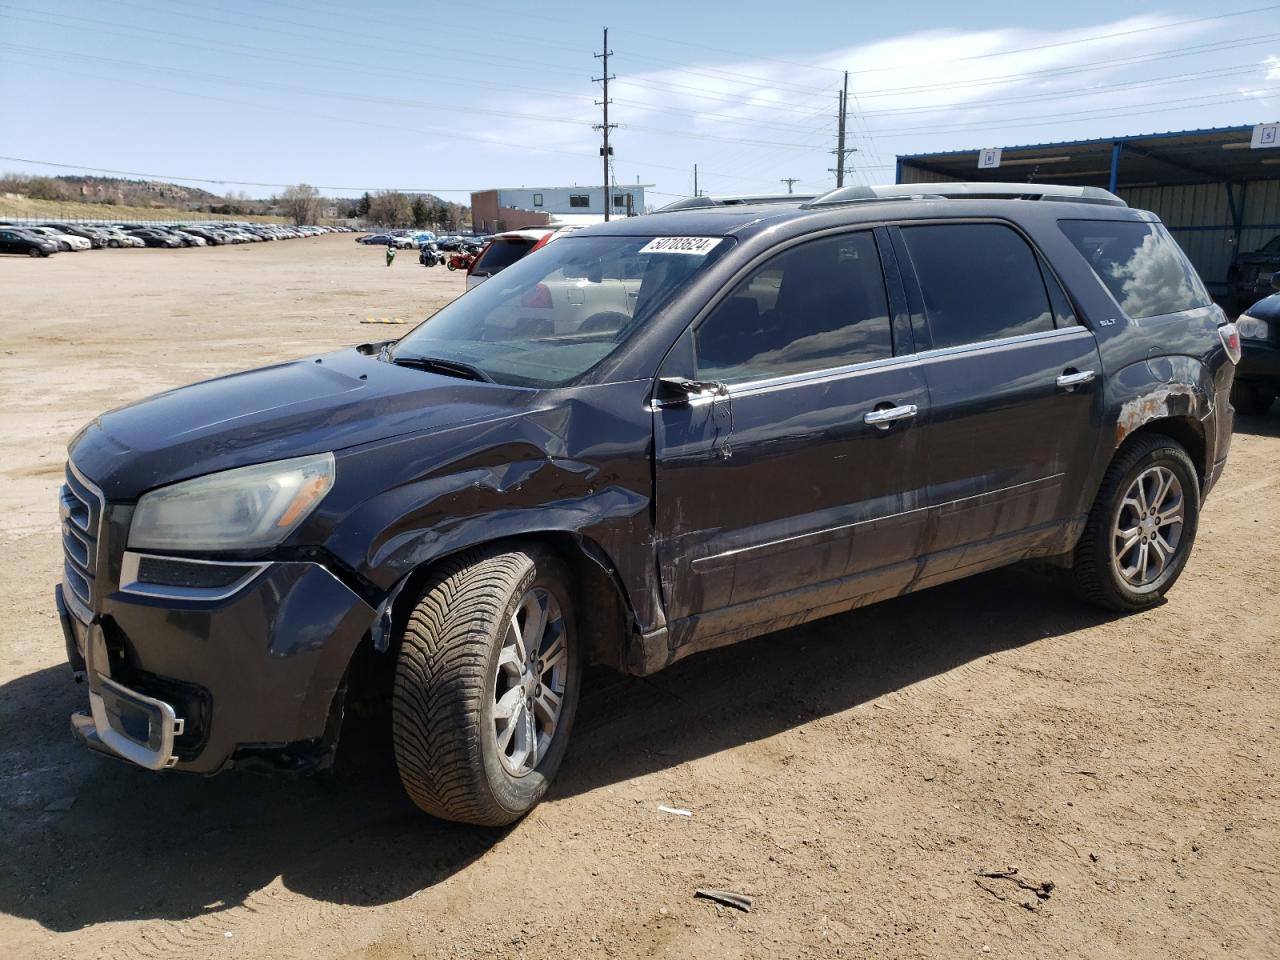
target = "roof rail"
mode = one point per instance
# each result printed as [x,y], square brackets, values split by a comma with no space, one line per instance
[734,199]
[968,191]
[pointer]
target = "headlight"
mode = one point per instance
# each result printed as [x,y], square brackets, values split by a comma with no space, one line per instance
[1251,328]
[249,508]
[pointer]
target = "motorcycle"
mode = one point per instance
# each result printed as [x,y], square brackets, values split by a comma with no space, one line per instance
[430,255]
[461,261]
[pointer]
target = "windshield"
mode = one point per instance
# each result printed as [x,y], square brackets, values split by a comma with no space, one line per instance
[1273,245]
[552,316]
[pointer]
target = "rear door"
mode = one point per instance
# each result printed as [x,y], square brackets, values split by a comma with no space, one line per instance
[792,488]
[1015,392]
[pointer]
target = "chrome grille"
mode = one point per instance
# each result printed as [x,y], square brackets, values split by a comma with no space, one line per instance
[80,506]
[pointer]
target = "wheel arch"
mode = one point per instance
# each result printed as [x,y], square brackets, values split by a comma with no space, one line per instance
[606,616]
[1187,431]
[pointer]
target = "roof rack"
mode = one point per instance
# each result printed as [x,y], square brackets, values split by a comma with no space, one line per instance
[967,191]
[733,200]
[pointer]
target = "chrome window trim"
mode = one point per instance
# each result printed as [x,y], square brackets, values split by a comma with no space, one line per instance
[129,582]
[769,384]
[738,551]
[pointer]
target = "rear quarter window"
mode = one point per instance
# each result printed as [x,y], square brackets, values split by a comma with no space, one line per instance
[1140,264]
[503,252]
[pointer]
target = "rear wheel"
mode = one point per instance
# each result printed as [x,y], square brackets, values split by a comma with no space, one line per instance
[36,252]
[1142,526]
[486,685]
[1251,399]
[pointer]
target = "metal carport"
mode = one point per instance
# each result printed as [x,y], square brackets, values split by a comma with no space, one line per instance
[1218,193]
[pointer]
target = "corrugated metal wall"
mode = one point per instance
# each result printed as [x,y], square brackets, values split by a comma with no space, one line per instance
[1200,217]
[1197,214]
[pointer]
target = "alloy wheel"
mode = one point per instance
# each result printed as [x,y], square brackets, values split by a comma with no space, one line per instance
[1148,528]
[530,681]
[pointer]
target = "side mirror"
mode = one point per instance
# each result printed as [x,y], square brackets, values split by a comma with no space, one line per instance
[1275,280]
[674,391]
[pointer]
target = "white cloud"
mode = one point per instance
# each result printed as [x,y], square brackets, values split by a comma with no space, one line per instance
[776,104]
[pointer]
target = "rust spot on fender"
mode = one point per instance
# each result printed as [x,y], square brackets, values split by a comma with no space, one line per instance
[1167,400]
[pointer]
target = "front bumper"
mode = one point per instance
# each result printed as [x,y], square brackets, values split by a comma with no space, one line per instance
[1259,362]
[187,683]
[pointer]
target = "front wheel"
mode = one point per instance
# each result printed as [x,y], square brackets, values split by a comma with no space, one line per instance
[1142,526]
[486,685]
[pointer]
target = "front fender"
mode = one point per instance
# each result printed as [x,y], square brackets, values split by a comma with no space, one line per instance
[576,465]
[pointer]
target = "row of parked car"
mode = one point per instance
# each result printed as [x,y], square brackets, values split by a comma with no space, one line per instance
[48,238]
[417,239]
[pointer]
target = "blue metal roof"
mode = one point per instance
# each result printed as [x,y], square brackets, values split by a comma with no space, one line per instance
[1059,144]
[1209,155]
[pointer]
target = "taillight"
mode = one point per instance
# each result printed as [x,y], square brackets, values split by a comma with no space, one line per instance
[546,238]
[539,296]
[1230,338]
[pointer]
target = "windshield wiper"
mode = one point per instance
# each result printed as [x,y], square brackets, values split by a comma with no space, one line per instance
[452,368]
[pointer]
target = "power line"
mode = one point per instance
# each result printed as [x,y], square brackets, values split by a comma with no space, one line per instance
[1174,54]
[1075,94]
[223,183]
[1124,112]
[1077,40]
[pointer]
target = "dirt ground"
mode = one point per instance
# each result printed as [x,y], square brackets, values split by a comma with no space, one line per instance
[852,776]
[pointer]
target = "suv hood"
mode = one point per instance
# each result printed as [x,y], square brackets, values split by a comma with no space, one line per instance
[319,404]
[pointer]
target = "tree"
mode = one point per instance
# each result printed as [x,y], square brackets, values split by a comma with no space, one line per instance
[301,204]
[362,207]
[421,212]
[391,208]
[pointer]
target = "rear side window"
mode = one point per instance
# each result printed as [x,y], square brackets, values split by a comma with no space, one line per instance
[1140,264]
[980,281]
[502,253]
[818,305]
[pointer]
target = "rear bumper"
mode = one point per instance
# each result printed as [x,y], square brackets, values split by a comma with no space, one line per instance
[186,684]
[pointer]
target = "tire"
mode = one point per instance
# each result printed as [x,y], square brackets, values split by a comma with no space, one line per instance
[1127,579]
[1252,400]
[113,244]
[451,266]
[457,658]
[36,252]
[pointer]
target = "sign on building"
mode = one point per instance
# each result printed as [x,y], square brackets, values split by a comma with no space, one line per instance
[989,158]
[1265,135]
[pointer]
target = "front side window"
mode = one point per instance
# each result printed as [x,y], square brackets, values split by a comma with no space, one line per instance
[980,281]
[579,200]
[554,314]
[1140,265]
[818,305]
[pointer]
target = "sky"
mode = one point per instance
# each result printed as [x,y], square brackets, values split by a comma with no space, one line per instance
[449,98]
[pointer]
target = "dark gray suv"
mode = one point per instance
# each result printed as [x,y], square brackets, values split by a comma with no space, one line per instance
[649,438]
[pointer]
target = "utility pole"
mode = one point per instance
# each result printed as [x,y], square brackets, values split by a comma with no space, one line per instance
[843,97]
[695,181]
[790,182]
[605,126]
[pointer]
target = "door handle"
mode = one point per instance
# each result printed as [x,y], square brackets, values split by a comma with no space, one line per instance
[889,415]
[1068,380]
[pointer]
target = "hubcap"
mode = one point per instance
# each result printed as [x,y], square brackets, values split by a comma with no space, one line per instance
[530,682]
[1148,527]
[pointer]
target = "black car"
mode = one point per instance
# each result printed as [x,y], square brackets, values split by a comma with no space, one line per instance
[1250,275]
[652,437]
[156,238]
[1258,373]
[16,240]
